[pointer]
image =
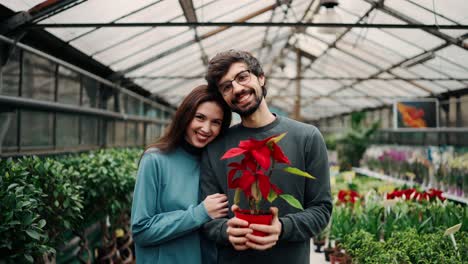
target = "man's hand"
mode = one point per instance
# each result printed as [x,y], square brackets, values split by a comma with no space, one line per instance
[236,230]
[272,233]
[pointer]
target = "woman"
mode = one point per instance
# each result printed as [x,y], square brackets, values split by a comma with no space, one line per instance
[165,214]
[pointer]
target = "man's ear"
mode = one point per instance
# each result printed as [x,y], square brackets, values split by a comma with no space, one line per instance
[261,79]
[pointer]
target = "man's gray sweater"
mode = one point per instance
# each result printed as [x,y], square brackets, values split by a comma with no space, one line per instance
[305,148]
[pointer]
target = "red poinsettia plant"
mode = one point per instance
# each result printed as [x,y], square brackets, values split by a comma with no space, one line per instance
[253,173]
[414,195]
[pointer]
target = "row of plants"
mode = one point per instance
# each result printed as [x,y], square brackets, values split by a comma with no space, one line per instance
[445,168]
[372,218]
[408,246]
[46,201]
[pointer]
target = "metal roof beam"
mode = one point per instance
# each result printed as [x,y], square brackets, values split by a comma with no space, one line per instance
[316,78]
[189,11]
[225,25]
[35,14]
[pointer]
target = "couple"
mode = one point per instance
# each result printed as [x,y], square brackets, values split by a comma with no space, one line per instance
[168,223]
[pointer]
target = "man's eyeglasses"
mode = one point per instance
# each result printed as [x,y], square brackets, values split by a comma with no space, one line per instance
[241,78]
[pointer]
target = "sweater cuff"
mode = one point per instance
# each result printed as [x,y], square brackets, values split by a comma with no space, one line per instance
[201,214]
[224,239]
[286,228]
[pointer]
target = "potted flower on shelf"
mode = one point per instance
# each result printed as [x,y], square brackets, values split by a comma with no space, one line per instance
[252,177]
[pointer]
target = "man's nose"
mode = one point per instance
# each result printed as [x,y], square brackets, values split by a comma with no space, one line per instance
[236,88]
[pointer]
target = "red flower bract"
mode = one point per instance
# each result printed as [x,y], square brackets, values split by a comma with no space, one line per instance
[253,173]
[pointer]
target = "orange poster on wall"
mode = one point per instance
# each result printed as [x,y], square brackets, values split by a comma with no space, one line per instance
[416,113]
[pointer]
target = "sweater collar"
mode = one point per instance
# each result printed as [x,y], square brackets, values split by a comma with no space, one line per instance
[189,148]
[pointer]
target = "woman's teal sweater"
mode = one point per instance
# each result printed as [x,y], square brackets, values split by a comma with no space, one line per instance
[165,214]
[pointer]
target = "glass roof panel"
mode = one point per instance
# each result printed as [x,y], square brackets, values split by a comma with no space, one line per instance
[371,89]
[427,72]
[231,11]
[67,34]
[367,52]
[104,37]
[163,11]
[321,87]
[349,63]
[191,51]
[448,8]
[404,73]
[16,5]
[138,44]
[416,37]
[454,61]
[452,85]
[392,43]
[434,87]
[161,47]
[348,92]
[231,38]
[308,44]
[92,11]
[411,89]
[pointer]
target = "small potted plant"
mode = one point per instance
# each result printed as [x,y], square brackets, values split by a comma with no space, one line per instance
[255,170]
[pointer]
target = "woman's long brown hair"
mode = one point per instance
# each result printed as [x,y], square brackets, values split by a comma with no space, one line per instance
[174,135]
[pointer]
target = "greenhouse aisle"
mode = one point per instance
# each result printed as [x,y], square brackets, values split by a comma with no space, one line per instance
[316,258]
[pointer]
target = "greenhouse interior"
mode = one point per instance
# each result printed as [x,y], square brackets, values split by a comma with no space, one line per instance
[87,85]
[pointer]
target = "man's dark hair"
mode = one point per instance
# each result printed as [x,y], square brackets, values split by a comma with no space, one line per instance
[219,65]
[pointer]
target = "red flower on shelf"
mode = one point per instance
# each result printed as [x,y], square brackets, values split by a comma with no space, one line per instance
[348,196]
[413,194]
[255,169]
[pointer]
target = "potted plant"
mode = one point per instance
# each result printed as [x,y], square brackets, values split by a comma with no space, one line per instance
[256,168]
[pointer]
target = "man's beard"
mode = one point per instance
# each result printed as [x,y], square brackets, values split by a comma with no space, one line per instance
[251,109]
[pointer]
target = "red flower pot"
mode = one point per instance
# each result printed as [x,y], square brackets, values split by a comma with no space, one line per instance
[264,218]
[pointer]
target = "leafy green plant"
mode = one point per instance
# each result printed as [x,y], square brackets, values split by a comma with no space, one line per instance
[404,247]
[352,144]
[62,199]
[22,228]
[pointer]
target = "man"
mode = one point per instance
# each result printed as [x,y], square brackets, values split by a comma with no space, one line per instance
[239,78]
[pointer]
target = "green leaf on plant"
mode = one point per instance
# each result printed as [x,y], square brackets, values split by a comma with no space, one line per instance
[272,196]
[33,234]
[277,138]
[298,172]
[42,223]
[28,258]
[292,201]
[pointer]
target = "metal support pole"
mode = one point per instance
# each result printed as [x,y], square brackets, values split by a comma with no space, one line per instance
[297,105]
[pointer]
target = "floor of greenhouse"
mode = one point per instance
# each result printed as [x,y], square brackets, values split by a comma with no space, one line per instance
[316,258]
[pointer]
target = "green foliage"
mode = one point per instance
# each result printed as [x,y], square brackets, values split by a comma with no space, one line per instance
[22,228]
[352,145]
[404,247]
[40,199]
[62,199]
[108,176]
[330,141]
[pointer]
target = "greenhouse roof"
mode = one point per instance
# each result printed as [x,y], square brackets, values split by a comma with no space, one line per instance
[366,54]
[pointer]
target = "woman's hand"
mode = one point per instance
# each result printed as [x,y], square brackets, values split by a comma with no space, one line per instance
[216,205]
